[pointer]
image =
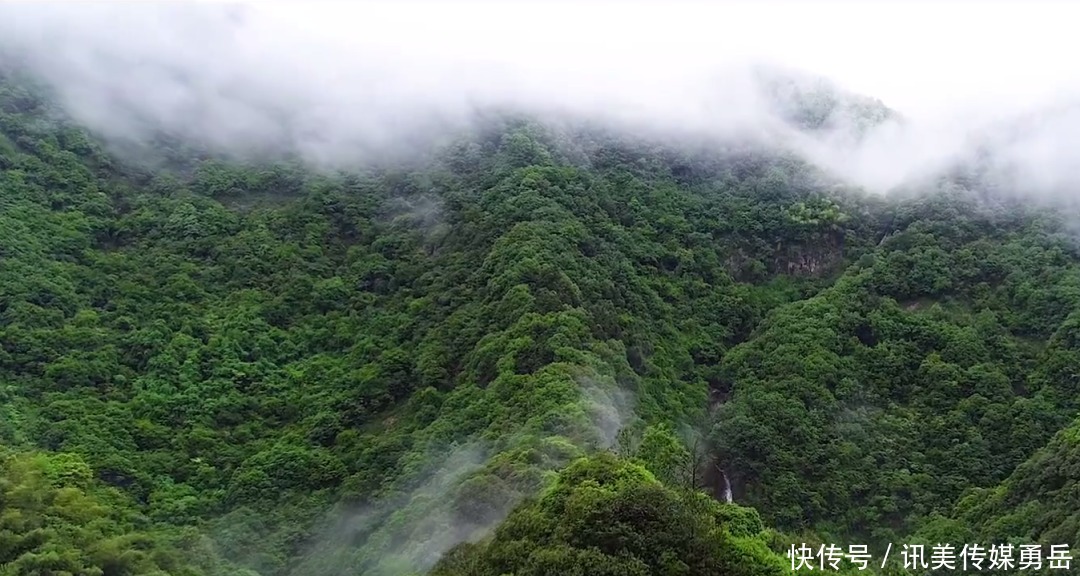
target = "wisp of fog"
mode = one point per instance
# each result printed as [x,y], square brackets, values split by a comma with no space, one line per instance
[335,79]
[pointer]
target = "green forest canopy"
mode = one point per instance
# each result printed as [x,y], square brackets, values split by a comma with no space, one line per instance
[227,367]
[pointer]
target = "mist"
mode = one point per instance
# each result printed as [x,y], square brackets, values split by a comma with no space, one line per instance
[338,81]
[404,533]
[459,493]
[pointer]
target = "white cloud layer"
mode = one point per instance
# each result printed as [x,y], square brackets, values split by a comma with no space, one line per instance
[353,75]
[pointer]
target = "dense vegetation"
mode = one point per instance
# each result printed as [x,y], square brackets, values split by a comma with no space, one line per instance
[229,367]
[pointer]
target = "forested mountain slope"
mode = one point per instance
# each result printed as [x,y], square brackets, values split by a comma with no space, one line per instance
[215,366]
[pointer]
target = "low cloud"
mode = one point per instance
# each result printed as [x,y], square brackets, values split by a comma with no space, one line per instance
[338,81]
[399,534]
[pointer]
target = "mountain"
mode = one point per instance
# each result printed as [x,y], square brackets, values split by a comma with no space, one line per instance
[547,346]
[816,104]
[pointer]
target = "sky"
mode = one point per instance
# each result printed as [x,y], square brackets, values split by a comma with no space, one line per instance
[914,55]
[354,75]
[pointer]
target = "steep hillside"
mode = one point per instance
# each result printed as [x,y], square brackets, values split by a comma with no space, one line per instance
[926,369]
[211,365]
[1036,502]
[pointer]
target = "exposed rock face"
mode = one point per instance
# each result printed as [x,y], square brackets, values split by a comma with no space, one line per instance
[805,260]
[802,259]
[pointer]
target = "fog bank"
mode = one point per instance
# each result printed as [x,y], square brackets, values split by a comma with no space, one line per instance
[338,80]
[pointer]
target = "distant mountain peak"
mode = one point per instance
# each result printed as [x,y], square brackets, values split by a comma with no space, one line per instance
[815,103]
